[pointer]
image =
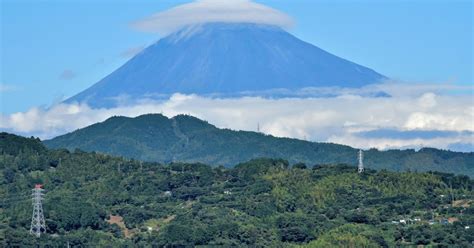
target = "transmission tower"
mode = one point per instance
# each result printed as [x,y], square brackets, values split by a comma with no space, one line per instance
[37,221]
[361,162]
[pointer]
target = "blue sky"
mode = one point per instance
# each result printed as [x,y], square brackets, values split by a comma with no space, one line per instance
[54,49]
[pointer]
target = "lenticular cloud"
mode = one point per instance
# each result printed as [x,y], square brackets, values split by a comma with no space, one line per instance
[206,11]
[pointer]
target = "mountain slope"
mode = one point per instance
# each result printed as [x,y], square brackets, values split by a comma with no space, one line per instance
[155,137]
[259,203]
[225,59]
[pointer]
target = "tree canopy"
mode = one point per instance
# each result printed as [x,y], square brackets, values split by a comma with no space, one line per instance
[97,200]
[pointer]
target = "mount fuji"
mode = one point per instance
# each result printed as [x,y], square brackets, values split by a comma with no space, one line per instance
[225,59]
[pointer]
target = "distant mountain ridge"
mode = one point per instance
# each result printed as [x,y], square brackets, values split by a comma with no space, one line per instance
[184,138]
[225,59]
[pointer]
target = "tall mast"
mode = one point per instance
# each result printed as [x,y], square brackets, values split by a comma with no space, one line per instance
[361,162]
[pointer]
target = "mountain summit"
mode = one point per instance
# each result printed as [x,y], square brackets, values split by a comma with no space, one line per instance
[226,59]
[154,137]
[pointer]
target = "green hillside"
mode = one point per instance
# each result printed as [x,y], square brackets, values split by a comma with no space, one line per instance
[154,137]
[96,200]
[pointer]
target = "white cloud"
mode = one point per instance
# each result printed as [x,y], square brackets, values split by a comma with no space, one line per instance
[7,87]
[336,119]
[393,143]
[410,89]
[205,11]
[427,100]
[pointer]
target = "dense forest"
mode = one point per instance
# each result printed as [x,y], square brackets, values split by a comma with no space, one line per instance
[156,138]
[96,200]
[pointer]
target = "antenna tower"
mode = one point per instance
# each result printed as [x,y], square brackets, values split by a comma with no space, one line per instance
[37,221]
[360,168]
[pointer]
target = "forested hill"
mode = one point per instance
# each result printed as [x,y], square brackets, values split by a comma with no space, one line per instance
[96,200]
[154,137]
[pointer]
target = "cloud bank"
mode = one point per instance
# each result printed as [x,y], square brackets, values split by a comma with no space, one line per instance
[415,120]
[205,11]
